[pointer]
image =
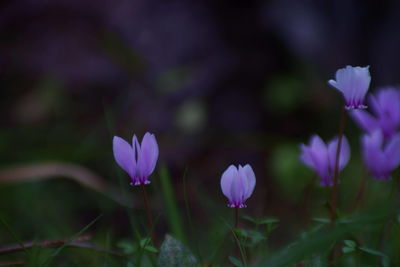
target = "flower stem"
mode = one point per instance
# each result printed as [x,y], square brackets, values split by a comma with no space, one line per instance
[361,191]
[336,171]
[236,217]
[148,211]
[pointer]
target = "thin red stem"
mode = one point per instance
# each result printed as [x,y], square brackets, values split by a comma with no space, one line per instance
[236,217]
[336,171]
[148,212]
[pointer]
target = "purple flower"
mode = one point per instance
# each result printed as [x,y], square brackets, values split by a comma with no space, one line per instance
[381,157]
[137,160]
[321,157]
[385,105]
[238,184]
[353,82]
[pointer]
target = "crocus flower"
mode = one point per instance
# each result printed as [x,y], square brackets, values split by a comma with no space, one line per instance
[321,157]
[238,184]
[353,82]
[381,157]
[385,105]
[138,160]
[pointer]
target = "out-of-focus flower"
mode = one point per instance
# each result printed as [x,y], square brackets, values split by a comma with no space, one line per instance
[238,184]
[353,82]
[138,160]
[381,157]
[321,157]
[385,105]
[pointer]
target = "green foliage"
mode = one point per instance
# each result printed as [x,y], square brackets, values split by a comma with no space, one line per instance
[174,254]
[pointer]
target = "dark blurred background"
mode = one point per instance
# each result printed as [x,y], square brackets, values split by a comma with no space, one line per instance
[218,82]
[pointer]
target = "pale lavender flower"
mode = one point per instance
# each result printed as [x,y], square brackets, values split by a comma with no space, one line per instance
[138,160]
[238,184]
[385,106]
[321,157]
[353,82]
[381,157]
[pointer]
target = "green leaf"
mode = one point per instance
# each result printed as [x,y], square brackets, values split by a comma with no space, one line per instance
[174,254]
[348,249]
[145,243]
[321,220]
[235,261]
[127,246]
[249,238]
[385,258]
[262,220]
[350,243]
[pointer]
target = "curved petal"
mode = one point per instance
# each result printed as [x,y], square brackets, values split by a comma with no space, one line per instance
[251,180]
[305,156]
[373,156]
[148,155]
[344,153]
[124,155]
[227,180]
[237,188]
[392,152]
[353,82]
[319,155]
[365,120]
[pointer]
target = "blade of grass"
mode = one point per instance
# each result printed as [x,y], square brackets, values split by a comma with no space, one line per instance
[172,212]
[12,233]
[53,255]
[188,215]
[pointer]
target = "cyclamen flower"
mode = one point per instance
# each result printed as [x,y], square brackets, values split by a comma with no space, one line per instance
[322,158]
[381,157]
[238,184]
[385,105]
[137,160]
[353,82]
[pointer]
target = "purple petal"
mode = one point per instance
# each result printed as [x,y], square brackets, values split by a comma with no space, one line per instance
[373,155]
[305,156]
[344,153]
[148,155]
[251,180]
[392,152]
[365,120]
[353,82]
[227,179]
[319,155]
[237,188]
[124,155]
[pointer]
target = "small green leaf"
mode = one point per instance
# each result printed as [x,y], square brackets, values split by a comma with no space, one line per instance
[262,220]
[347,249]
[350,243]
[235,261]
[145,243]
[321,220]
[174,254]
[127,246]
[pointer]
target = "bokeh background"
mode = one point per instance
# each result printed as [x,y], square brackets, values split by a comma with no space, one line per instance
[218,82]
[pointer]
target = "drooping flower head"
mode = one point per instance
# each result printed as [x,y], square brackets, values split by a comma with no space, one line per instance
[138,160]
[321,157]
[238,184]
[385,106]
[381,157]
[353,83]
